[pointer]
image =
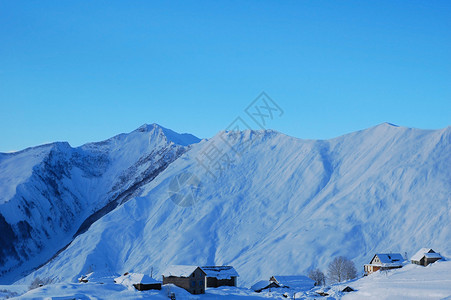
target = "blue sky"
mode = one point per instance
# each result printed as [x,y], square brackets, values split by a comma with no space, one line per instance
[84,71]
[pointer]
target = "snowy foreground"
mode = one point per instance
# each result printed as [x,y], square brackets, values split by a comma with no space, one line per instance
[410,282]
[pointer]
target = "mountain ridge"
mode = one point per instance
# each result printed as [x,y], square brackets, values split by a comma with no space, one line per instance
[276,197]
[51,192]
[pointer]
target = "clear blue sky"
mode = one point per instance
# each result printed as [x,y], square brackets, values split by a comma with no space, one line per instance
[84,71]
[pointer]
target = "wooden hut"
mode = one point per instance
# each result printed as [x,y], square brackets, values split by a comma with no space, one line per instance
[425,256]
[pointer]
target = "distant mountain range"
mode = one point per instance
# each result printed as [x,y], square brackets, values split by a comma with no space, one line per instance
[261,201]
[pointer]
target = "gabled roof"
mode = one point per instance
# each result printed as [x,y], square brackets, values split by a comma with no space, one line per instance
[388,259]
[180,271]
[423,252]
[294,281]
[220,272]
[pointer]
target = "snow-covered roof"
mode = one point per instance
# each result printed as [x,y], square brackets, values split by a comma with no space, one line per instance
[295,281]
[425,252]
[432,255]
[135,278]
[220,272]
[389,259]
[179,271]
[262,284]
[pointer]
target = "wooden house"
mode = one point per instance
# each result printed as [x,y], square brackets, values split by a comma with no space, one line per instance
[139,281]
[190,278]
[425,256]
[384,261]
[264,285]
[220,276]
[294,282]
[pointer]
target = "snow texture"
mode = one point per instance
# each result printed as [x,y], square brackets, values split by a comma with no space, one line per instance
[220,272]
[261,285]
[295,282]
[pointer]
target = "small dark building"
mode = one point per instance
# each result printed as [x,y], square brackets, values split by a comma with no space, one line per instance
[264,285]
[220,276]
[190,278]
[155,285]
[140,282]
[425,256]
[348,289]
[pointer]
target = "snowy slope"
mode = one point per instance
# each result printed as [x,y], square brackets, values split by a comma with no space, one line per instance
[410,282]
[52,192]
[281,206]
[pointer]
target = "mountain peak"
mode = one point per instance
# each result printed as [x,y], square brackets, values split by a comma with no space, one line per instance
[148,127]
[389,124]
[183,139]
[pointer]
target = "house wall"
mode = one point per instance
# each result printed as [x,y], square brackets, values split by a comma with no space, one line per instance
[428,261]
[370,269]
[178,281]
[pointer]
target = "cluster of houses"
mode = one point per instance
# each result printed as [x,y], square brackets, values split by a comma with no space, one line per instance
[387,261]
[195,279]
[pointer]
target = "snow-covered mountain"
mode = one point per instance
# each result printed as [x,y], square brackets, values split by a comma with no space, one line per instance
[262,201]
[52,192]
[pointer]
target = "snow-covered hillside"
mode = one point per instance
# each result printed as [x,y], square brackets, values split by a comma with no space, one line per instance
[52,192]
[278,205]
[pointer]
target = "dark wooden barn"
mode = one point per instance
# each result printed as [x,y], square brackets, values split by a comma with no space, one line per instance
[221,276]
[425,256]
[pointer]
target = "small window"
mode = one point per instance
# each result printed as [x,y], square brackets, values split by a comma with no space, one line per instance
[193,284]
[201,283]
